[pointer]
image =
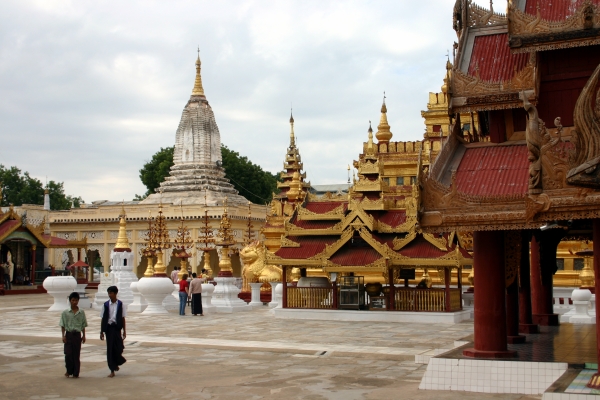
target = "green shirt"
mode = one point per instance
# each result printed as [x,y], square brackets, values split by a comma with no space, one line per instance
[73,321]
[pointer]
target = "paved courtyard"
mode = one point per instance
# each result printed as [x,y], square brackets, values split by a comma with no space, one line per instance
[247,355]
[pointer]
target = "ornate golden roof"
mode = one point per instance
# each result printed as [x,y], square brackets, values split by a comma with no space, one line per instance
[383,129]
[198,89]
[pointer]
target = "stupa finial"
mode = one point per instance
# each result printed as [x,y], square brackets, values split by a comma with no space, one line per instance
[383,129]
[198,89]
[292,136]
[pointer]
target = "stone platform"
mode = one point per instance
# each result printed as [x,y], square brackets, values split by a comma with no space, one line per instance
[228,356]
[540,362]
[373,316]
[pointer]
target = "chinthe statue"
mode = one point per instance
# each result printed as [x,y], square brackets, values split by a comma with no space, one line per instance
[255,268]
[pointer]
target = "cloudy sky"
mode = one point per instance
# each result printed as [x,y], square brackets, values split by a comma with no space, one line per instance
[89,90]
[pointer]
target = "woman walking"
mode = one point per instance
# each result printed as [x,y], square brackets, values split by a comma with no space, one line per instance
[183,294]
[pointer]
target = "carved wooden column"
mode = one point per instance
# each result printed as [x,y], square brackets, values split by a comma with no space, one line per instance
[32,274]
[490,297]
[541,280]
[391,293]
[525,316]
[459,279]
[595,380]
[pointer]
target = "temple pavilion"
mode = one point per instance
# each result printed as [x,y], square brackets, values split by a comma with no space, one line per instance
[371,232]
[529,178]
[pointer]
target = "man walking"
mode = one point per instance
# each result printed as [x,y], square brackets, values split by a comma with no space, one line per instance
[72,325]
[5,272]
[196,293]
[113,321]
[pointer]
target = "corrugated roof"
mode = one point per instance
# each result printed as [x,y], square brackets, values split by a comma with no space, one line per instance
[309,246]
[322,207]
[492,58]
[314,224]
[421,248]
[55,241]
[555,10]
[355,255]
[493,171]
[392,218]
[8,226]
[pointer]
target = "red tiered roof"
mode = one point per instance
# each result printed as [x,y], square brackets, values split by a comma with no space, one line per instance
[314,224]
[555,10]
[8,226]
[322,207]
[392,218]
[494,171]
[309,246]
[55,241]
[421,248]
[493,59]
[355,256]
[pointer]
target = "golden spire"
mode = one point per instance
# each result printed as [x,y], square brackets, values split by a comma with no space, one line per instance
[383,129]
[292,137]
[122,241]
[198,89]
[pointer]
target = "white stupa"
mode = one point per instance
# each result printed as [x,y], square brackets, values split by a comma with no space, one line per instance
[197,158]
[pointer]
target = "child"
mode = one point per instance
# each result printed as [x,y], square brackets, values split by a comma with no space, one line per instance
[72,325]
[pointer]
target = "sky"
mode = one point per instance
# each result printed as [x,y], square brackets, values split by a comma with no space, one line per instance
[90,90]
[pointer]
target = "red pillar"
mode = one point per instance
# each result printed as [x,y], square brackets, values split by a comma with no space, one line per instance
[541,282]
[285,287]
[595,380]
[512,313]
[392,293]
[525,316]
[490,297]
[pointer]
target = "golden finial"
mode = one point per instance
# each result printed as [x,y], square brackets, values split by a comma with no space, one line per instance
[383,129]
[292,137]
[122,241]
[370,145]
[198,89]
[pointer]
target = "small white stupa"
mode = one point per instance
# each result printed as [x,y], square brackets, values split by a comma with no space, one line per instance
[121,263]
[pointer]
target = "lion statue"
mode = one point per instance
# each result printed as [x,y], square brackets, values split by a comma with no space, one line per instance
[255,269]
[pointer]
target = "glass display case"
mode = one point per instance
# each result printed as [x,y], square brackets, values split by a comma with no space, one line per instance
[352,293]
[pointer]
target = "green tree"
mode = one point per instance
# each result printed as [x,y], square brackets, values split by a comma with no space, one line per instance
[155,170]
[248,179]
[20,188]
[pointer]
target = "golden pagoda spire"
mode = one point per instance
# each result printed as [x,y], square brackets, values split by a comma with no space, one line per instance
[122,241]
[292,137]
[383,129]
[198,89]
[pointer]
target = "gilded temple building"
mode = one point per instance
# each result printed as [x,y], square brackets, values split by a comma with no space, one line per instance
[369,233]
[196,186]
[529,179]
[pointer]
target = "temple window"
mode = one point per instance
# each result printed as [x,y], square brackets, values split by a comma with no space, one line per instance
[578,264]
[560,264]
[400,181]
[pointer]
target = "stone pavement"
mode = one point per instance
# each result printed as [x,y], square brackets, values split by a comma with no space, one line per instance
[222,356]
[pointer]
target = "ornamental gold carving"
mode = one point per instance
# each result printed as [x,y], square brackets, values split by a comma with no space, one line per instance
[585,169]
[464,85]
[586,16]
[479,16]
[285,242]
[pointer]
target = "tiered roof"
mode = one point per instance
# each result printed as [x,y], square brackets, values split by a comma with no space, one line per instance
[370,229]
